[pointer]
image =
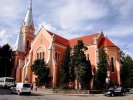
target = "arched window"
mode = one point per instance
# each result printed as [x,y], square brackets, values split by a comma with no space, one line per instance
[112,64]
[37,55]
[87,56]
[27,45]
[43,56]
[40,53]
[57,56]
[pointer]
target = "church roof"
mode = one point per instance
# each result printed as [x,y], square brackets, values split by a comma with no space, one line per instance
[59,39]
[19,46]
[29,19]
[106,43]
[87,40]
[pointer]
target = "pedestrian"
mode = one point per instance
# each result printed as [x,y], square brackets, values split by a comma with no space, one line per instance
[31,86]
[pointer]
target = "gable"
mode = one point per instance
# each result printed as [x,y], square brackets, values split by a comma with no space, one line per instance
[106,43]
[87,40]
[43,32]
[59,39]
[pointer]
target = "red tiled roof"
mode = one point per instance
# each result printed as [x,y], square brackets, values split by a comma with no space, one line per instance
[106,42]
[86,39]
[59,39]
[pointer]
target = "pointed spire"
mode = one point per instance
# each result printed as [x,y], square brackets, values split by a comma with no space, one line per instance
[19,46]
[28,19]
[30,5]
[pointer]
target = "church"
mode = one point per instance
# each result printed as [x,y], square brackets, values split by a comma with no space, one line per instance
[49,46]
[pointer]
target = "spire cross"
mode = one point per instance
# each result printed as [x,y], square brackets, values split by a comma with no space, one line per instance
[30,4]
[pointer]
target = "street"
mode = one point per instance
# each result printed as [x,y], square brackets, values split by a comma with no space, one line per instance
[5,95]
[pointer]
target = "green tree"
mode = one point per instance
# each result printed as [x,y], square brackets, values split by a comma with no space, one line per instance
[64,68]
[6,64]
[82,66]
[103,67]
[71,69]
[41,70]
[126,71]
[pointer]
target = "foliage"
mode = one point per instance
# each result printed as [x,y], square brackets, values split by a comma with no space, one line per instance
[75,66]
[82,66]
[71,69]
[64,68]
[126,71]
[5,61]
[41,70]
[103,66]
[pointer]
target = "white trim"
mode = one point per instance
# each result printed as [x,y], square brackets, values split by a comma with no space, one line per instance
[99,35]
[41,46]
[47,61]
[49,48]
[41,33]
[19,45]
[26,64]
[90,46]
[118,71]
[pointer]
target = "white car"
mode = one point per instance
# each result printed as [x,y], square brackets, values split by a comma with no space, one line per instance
[21,88]
[131,91]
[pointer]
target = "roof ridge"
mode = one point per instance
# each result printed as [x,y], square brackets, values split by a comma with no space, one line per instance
[109,41]
[55,34]
[85,36]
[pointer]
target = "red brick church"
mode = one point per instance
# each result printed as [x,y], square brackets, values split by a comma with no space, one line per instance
[50,47]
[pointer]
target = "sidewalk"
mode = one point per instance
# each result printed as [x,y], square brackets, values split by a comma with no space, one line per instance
[47,93]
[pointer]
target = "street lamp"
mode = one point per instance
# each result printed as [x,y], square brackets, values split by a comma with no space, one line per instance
[107,82]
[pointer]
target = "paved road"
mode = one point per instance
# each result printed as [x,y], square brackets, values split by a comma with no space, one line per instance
[5,95]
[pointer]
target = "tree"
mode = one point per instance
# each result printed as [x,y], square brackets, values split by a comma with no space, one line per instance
[41,70]
[71,69]
[82,66]
[64,68]
[103,67]
[5,61]
[126,71]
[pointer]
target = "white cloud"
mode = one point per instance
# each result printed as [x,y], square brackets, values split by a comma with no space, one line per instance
[123,7]
[2,33]
[47,26]
[128,53]
[70,35]
[69,18]
[62,33]
[120,30]
[10,9]
[10,16]
[5,38]
[72,14]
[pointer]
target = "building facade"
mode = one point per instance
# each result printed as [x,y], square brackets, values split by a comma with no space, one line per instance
[50,47]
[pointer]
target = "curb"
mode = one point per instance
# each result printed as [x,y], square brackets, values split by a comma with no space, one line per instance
[38,92]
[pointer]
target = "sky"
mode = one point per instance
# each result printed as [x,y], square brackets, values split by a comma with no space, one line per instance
[70,19]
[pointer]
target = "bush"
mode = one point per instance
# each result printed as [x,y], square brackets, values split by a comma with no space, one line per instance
[95,91]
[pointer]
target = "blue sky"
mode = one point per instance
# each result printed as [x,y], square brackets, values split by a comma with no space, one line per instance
[71,18]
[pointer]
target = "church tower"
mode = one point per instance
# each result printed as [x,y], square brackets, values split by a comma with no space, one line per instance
[23,42]
[27,28]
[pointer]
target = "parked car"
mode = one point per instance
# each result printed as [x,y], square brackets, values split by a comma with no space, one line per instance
[115,91]
[21,88]
[131,91]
